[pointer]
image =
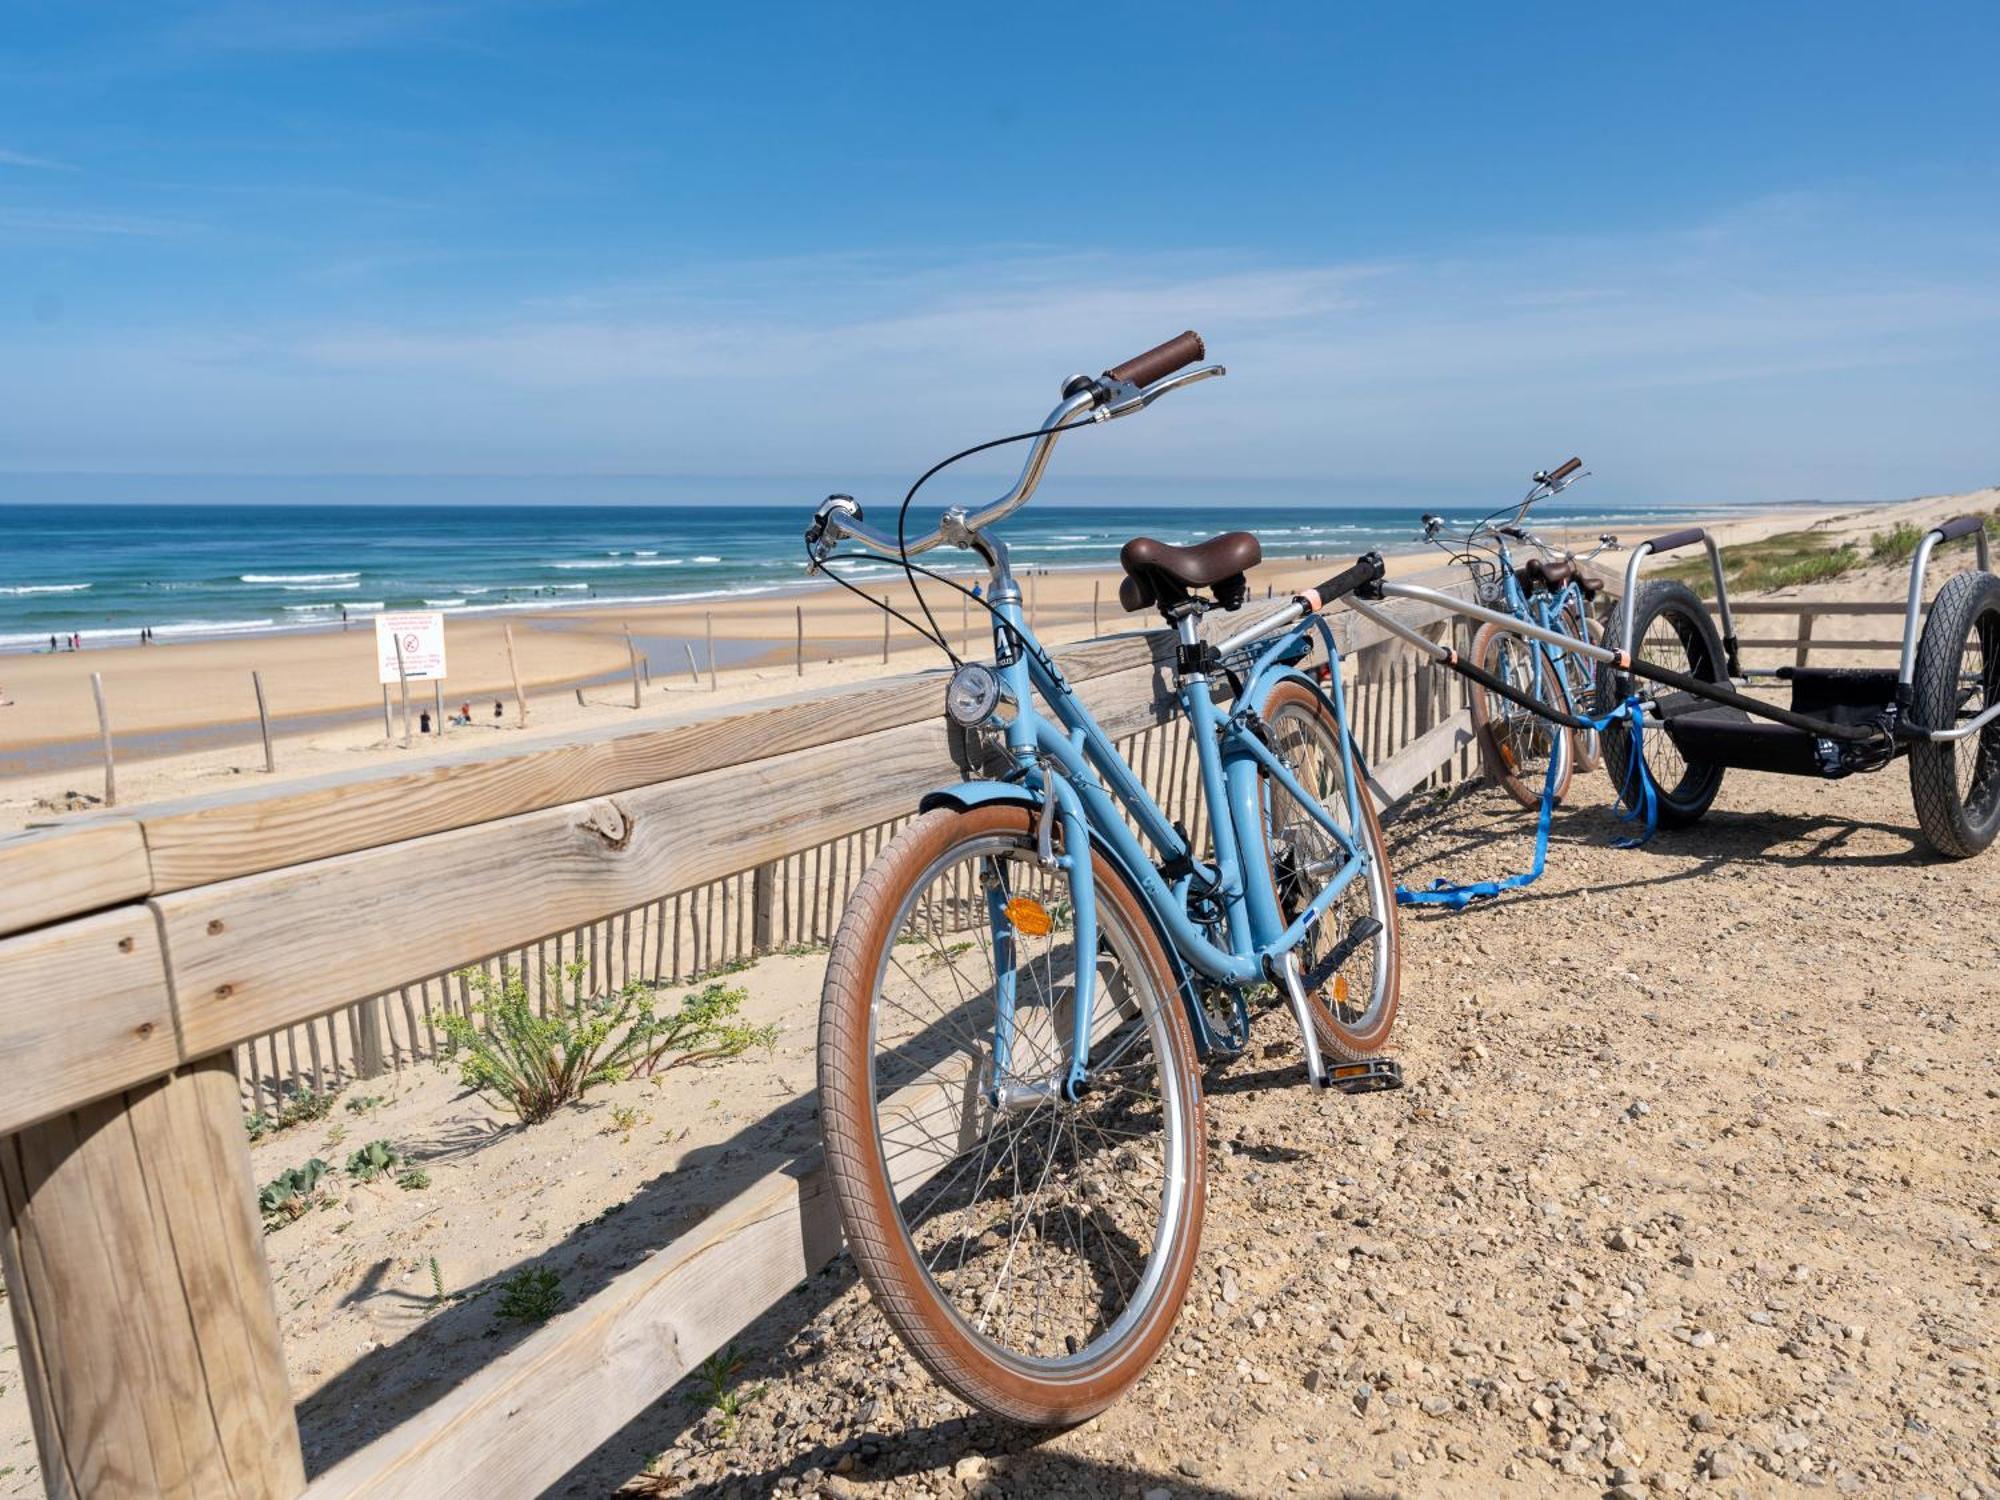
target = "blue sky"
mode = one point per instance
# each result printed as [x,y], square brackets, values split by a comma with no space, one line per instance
[1728,252]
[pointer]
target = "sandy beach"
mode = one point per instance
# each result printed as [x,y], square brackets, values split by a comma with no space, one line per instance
[183,716]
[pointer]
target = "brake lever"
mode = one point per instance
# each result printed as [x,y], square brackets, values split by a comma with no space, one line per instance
[1124,404]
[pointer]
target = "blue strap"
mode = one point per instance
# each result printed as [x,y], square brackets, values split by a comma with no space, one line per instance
[1445,893]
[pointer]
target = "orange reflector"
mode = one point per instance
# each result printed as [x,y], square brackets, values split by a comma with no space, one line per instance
[1029,915]
[1340,988]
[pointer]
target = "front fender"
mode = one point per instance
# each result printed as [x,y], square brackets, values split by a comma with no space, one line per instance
[970,794]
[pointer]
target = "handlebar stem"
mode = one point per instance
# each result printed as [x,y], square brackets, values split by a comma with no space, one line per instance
[1103,400]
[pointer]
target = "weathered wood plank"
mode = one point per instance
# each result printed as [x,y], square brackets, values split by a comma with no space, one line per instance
[147,1329]
[228,834]
[84,1011]
[266,950]
[224,835]
[523,1420]
[1411,766]
[63,872]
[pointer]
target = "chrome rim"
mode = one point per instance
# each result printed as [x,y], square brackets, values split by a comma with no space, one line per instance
[1043,1226]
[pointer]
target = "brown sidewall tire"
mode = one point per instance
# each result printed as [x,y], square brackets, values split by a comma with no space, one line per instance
[1334,1038]
[874,1230]
[1524,787]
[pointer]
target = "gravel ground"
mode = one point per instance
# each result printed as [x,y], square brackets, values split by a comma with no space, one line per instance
[1692,1191]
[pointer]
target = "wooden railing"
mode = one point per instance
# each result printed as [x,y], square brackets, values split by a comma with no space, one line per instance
[139,953]
[1805,612]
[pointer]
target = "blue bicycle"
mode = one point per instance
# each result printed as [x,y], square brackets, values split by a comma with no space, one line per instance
[1025,981]
[1555,591]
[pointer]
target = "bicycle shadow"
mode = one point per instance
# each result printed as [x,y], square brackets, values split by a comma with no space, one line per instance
[1439,841]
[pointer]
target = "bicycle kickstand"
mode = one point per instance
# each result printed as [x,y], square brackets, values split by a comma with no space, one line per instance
[1295,993]
[1372,1076]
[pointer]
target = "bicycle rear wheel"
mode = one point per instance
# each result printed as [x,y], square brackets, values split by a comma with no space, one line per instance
[1352,1002]
[1580,681]
[1516,743]
[1032,1252]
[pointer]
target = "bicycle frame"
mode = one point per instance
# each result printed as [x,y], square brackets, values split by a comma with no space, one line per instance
[1544,610]
[1079,778]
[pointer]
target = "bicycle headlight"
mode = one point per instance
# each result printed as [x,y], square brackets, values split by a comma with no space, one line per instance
[973,695]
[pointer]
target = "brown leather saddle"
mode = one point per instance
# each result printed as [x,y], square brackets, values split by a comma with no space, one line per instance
[1540,572]
[1163,575]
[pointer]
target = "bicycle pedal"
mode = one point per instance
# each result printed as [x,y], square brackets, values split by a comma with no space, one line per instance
[1372,1077]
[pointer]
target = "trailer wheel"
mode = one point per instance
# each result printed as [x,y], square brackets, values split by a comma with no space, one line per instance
[1671,628]
[1956,783]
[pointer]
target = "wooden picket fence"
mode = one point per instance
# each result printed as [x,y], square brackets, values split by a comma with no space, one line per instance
[159,965]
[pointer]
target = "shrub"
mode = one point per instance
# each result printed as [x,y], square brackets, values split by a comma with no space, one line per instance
[413,1180]
[372,1160]
[291,1193]
[297,1107]
[1895,545]
[536,1063]
[703,1030]
[530,1296]
[364,1103]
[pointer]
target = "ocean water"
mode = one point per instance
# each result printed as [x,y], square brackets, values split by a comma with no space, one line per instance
[187,571]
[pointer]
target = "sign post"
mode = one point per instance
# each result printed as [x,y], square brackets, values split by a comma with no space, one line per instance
[409,644]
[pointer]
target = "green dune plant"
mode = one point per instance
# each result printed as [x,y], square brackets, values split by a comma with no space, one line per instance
[537,1057]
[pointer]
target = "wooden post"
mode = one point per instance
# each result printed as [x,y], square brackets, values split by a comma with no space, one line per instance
[104,733]
[708,630]
[388,724]
[694,667]
[1095,586]
[370,1054]
[579,697]
[514,671]
[403,680]
[142,1304]
[885,630]
[633,652]
[437,708]
[1805,637]
[799,640]
[763,904]
[263,719]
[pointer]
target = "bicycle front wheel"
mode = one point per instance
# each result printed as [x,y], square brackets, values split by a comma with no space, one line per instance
[1032,1251]
[1514,742]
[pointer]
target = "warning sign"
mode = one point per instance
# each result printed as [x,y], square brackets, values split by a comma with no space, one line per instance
[418,636]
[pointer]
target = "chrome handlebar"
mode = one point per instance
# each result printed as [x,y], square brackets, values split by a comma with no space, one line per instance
[839,516]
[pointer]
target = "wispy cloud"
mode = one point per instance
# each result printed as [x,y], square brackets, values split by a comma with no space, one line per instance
[39,223]
[1780,350]
[33,163]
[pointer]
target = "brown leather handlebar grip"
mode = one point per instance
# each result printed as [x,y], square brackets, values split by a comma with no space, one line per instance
[1566,470]
[1160,361]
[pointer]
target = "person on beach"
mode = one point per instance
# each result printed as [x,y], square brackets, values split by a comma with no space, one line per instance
[496,710]
[52,644]
[423,722]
